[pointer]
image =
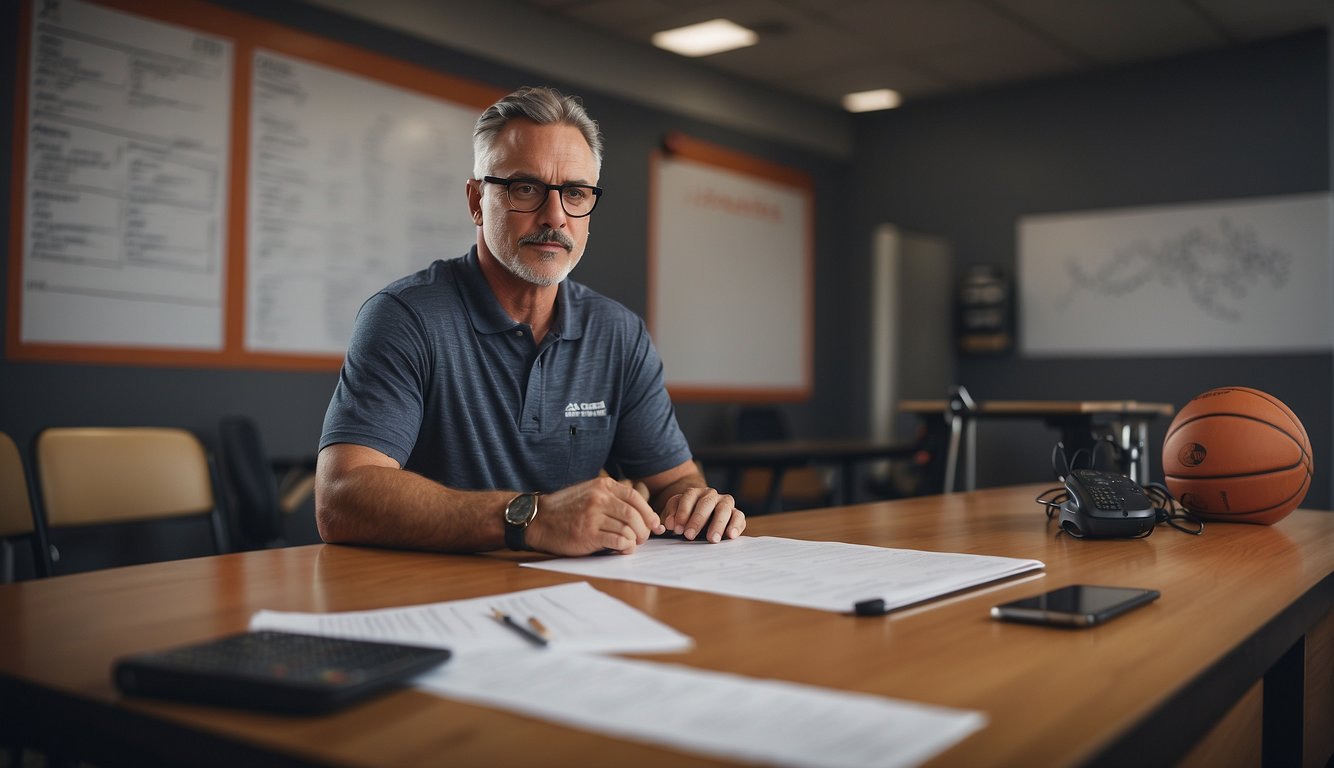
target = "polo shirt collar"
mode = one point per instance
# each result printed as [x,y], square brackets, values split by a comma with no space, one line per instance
[489,317]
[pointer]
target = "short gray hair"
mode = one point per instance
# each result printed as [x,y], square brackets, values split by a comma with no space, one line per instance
[542,105]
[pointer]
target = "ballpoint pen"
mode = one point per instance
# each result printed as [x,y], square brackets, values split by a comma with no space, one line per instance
[531,635]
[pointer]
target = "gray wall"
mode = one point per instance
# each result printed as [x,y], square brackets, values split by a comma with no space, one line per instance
[1238,123]
[289,406]
[964,168]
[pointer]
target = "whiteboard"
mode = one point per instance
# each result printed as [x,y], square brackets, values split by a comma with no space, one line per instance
[342,200]
[1236,276]
[730,281]
[197,186]
[124,197]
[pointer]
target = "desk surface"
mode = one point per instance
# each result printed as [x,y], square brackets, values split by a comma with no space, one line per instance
[1232,600]
[1047,407]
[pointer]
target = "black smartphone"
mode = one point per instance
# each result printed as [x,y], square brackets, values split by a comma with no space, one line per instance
[1078,605]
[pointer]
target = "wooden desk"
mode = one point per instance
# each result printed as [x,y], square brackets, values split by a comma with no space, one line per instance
[780,455]
[1239,604]
[1126,420]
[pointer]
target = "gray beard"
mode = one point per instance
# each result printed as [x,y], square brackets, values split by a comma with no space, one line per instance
[519,269]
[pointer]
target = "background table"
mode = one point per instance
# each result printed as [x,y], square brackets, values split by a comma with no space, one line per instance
[1127,421]
[780,455]
[1178,678]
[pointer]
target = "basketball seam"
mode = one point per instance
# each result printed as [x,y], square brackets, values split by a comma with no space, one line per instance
[1275,471]
[1306,456]
[1282,406]
[1300,491]
[1278,404]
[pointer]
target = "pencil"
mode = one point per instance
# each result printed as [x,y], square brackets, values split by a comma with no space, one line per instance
[528,634]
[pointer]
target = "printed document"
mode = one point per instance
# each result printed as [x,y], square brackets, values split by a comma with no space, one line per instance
[712,713]
[575,617]
[826,575]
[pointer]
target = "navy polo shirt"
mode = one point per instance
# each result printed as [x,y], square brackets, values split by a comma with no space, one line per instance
[441,379]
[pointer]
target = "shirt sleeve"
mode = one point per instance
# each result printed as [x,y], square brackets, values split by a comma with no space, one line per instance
[648,438]
[379,399]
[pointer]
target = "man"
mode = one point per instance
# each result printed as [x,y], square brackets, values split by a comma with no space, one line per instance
[481,382]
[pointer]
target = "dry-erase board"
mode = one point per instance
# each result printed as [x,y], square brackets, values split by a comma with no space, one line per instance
[731,244]
[194,186]
[1214,277]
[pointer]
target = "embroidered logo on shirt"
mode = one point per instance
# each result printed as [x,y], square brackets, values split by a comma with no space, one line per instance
[579,410]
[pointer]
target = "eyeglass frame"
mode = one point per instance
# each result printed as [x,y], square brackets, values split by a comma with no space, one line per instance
[560,188]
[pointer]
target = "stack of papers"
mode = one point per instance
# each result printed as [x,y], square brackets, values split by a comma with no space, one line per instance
[710,713]
[827,575]
[693,710]
[576,616]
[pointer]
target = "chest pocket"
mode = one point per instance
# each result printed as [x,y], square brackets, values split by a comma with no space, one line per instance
[589,444]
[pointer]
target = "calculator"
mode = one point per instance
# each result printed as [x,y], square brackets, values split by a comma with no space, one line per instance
[274,671]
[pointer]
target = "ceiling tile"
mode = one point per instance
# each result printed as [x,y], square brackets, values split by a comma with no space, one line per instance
[825,48]
[1251,20]
[1113,32]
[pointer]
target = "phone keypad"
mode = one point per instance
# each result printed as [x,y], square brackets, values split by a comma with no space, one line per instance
[1105,498]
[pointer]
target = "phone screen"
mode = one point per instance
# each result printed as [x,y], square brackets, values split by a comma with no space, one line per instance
[1076,605]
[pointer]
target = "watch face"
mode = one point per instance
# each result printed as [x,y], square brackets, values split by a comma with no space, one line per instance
[520,511]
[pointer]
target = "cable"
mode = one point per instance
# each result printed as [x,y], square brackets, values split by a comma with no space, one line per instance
[1165,506]
[1169,511]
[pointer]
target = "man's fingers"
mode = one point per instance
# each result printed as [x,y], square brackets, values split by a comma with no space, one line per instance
[642,513]
[704,513]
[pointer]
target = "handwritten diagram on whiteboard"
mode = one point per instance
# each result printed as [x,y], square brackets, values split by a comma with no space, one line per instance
[344,200]
[126,162]
[1238,276]
[730,286]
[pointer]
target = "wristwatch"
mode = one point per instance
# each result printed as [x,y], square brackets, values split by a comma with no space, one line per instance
[518,514]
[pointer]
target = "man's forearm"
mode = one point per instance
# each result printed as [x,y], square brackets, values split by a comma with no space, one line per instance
[389,507]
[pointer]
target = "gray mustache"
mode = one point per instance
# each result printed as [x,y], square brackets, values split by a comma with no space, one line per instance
[549,236]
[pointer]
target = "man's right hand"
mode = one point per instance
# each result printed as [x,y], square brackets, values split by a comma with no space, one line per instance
[600,514]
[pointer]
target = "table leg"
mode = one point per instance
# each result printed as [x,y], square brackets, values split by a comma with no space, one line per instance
[774,502]
[1142,449]
[952,457]
[970,454]
[847,481]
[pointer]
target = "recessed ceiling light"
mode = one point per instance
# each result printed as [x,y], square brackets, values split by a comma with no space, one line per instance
[869,101]
[705,38]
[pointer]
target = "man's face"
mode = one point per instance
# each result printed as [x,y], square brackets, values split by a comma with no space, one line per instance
[540,247]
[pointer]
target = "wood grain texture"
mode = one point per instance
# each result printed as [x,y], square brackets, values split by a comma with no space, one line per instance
[1052,697]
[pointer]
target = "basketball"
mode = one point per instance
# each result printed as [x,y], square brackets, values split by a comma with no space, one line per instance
[1237,454]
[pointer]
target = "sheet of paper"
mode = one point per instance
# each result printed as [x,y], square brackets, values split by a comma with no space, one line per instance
[826,575]
[711,713]
[577,618]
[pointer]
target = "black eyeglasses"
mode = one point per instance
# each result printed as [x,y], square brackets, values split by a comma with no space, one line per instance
[527,195]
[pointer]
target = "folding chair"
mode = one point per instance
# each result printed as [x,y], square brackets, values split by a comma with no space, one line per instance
[17,520]
[263,504]
[129,477]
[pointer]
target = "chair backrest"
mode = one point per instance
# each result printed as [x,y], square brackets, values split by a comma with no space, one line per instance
[17,520]
[15,505]
[252,488]
[99,475]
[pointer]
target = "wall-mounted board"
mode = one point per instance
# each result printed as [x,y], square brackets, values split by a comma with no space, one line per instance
[194,186]
[1225,277]
[731,275]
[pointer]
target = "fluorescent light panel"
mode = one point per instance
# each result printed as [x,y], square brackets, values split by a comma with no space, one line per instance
[869,101]
[705,38]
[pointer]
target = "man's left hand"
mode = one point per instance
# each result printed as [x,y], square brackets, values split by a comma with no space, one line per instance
[704,513]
